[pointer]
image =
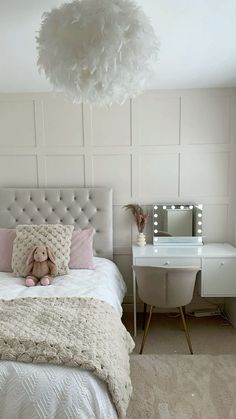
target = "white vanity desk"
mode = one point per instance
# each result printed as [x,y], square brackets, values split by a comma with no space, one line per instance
[217,263]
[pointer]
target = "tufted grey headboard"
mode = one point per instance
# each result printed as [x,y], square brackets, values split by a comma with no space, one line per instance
[82,207]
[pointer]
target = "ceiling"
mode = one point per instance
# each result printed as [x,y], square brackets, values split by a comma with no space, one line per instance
[198,43]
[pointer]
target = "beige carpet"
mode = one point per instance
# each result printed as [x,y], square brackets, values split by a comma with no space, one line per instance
[183,387]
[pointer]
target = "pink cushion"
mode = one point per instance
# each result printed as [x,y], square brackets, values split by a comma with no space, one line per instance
[81,251]
[7,237]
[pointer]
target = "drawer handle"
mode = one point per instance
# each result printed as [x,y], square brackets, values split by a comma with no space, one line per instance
[167,263]
[222,263]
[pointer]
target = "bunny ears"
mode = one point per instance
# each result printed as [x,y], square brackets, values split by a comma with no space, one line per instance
[49,251]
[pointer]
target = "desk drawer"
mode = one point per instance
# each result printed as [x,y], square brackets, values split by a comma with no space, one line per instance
[168,262]
[218,277]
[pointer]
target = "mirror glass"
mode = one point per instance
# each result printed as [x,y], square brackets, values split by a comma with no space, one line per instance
[177,223]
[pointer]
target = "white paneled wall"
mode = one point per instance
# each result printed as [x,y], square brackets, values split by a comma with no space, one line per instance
[209,173]
[62,124]
[205,119]
[156,119]
[113,170]
[60,170]
[164,146]
[17,123]
[158,175]
[111,126]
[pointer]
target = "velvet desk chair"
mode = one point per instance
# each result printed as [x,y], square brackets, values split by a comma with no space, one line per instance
[166,288]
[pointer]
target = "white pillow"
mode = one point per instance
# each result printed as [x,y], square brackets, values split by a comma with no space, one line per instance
[56,236]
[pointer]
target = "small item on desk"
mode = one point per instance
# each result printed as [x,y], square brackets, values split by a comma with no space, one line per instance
[141,218]
[40,266]
[141,239]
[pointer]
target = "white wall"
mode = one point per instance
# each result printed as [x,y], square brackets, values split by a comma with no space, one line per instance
[230,305]
[165,146]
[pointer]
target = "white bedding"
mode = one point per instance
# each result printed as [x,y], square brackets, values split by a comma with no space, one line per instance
[30,391]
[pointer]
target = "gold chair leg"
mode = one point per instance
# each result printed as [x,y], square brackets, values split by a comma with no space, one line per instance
[146,330]
[186,330]
[144,315]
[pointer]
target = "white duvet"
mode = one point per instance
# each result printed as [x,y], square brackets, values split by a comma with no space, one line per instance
[31,391]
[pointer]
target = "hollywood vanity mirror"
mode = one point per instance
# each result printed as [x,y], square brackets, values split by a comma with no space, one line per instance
[177,224]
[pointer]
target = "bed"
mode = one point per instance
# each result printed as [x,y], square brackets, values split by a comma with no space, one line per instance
[30,390]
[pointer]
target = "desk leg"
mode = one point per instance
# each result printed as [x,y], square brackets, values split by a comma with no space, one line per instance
[134,305]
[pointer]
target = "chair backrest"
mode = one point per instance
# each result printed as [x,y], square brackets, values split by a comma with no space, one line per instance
[166,287]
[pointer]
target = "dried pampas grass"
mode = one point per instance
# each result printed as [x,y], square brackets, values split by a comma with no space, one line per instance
[139,214]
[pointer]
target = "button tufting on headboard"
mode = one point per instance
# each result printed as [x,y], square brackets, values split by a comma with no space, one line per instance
[82,207]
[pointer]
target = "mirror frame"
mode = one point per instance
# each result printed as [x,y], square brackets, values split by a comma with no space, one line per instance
[196,240]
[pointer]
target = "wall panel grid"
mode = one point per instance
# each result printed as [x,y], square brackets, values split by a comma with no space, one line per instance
[163,146]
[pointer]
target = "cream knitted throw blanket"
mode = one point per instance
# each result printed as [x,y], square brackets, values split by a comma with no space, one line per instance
[75,332]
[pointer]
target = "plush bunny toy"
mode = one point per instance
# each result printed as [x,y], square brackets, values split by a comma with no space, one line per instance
[40,266]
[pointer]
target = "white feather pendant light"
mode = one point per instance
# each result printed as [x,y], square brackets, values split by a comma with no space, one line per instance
[97,51]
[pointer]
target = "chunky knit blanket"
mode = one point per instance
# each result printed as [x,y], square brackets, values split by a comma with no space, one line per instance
[76,332]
